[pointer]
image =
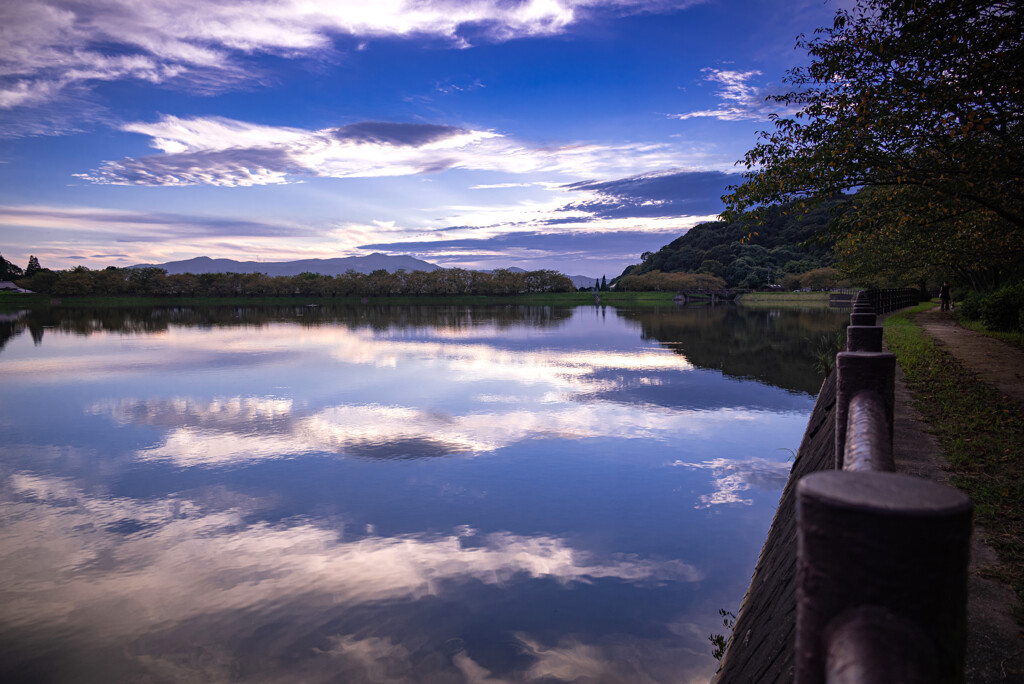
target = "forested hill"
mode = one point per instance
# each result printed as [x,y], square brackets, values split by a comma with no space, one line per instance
[778,248]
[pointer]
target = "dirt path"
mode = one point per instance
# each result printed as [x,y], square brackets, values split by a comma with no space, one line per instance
[996,363]
[995,644]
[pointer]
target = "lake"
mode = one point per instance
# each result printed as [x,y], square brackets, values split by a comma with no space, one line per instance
[389,493]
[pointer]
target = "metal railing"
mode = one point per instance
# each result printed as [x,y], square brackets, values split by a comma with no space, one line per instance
[881,556]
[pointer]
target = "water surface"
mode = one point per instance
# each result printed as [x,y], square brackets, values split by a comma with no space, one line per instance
[388,494]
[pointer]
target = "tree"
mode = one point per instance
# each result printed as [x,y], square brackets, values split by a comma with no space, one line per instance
[921,101]
[33,266]
[890,248]
[9,270]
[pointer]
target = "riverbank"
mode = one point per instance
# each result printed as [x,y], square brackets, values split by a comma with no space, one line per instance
[540,298]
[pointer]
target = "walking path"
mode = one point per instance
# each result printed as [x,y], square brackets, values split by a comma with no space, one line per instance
[995,362]
[995,643]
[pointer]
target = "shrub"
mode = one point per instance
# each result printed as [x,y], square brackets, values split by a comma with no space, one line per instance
[1001,310]
[970,305]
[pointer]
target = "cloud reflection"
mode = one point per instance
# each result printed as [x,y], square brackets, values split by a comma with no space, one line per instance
[731,477]
[196,439]
[73,569]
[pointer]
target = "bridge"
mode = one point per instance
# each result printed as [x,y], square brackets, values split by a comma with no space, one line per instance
[684,296]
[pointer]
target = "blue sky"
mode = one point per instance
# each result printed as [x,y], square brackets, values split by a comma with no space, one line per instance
[565,134]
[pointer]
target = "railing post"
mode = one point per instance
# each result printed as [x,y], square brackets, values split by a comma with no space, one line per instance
[863,311]
[865,338]
[884,540]
[872,644]
[857,372]
[868,435]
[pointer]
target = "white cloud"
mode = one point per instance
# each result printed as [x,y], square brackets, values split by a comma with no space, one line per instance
[219,151]
[739,99]
[51,45]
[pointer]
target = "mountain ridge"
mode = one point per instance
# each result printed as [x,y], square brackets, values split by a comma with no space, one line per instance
[333,267]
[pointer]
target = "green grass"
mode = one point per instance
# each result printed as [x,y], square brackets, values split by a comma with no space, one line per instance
[9,302]
[1014,338]
[547,298]
[784,299]
[981,433]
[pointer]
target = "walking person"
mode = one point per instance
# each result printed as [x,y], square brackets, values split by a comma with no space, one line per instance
[944,298]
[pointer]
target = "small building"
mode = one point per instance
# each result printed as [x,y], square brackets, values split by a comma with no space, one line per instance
[9,287]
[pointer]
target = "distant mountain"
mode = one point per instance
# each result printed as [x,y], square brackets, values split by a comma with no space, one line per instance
[582,281]
[333,267]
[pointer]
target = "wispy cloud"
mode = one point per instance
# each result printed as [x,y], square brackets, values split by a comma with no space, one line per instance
[142,226]
[227,152]
[739,99]
[580,223]
[50,46]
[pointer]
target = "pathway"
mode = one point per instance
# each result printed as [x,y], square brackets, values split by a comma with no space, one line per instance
[995,362]
[995,643]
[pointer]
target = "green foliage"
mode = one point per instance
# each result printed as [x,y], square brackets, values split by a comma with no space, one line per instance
[878,243]
[919,102]
[656,281]
[720,641]
[825,352]
[155,282]
[9,270]
[41,281]
[1002,310]
[784,244]
[970,307]
[33,266]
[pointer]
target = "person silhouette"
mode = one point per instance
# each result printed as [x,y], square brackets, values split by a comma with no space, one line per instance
[944,297]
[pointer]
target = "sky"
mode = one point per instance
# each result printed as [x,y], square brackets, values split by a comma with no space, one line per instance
[564,134]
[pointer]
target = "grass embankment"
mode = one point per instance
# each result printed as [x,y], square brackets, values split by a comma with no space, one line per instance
[784,299]
[13,302]
[981,433]
[545,298]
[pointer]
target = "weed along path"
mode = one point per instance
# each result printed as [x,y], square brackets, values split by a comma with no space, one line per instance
[960,419]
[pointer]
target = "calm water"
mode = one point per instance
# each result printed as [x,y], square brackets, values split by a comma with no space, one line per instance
[388,494]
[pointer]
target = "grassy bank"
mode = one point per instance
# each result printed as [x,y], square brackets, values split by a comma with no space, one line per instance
[981,433]
[784,299]
[1014,338]
[547,298]
[9,302]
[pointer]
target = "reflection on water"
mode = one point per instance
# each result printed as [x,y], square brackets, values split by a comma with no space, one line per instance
[387,494]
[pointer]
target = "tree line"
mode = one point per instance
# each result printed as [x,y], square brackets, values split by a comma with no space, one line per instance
[156,282]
